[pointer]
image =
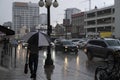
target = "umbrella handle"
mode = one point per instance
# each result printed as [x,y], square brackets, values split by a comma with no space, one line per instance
[28,51]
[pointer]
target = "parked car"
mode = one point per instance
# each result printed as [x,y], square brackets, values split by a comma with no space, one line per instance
[66,46]
[102,48]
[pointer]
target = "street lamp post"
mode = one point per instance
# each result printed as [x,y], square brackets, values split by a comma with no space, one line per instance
[48,4]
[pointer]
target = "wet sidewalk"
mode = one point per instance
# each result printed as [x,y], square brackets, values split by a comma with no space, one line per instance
[18,72]
[63,69]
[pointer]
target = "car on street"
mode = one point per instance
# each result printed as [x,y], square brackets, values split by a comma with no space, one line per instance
[102,48]
[66,46]
[75,41]
[57,40]
[14,42]
[81,43]
[24,44]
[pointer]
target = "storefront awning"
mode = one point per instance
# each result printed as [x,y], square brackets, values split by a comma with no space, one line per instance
[6,31]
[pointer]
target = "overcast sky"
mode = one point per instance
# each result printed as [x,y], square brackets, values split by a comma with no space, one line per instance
[57,14]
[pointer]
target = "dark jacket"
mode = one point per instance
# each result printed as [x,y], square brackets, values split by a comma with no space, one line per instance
[33,49]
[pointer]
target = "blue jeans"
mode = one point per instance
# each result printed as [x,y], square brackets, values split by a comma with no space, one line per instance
[33,63]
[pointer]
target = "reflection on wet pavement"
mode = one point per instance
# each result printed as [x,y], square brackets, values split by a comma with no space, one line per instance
[48,72]
[67,66]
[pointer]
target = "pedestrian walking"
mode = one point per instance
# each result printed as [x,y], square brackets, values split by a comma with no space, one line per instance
[33,59]
[35,40]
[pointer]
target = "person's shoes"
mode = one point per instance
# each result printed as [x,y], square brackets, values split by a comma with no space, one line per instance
[31,76]
[34,75]
[34,78]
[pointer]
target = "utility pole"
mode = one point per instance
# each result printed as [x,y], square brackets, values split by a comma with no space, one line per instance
[89,4]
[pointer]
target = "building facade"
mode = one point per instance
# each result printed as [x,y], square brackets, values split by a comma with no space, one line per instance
[68,18]
[99,20]
[25,14]
[117,19]
[59,31]
[78,25]
[43,19]
[69,12]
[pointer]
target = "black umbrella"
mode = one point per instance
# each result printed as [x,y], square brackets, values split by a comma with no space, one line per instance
[37,38]
[33,39]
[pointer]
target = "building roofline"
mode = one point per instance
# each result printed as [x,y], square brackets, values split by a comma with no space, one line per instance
[99,9]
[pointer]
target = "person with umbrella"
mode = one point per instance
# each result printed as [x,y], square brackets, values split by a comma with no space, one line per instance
[35,42]
[33,51]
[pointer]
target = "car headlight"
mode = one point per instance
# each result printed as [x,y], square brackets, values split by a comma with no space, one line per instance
[66,46]
[25,47]
[85,50]
[77,46]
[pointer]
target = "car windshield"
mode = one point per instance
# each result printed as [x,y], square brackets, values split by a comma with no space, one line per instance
[75,40]
[113,42]
[67,43]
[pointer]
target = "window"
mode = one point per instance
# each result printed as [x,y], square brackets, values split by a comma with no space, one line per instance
[102,43]
[93,42]
[113,42]
[98,43]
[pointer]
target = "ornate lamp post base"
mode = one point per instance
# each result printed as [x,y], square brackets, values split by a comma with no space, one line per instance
[48,61]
